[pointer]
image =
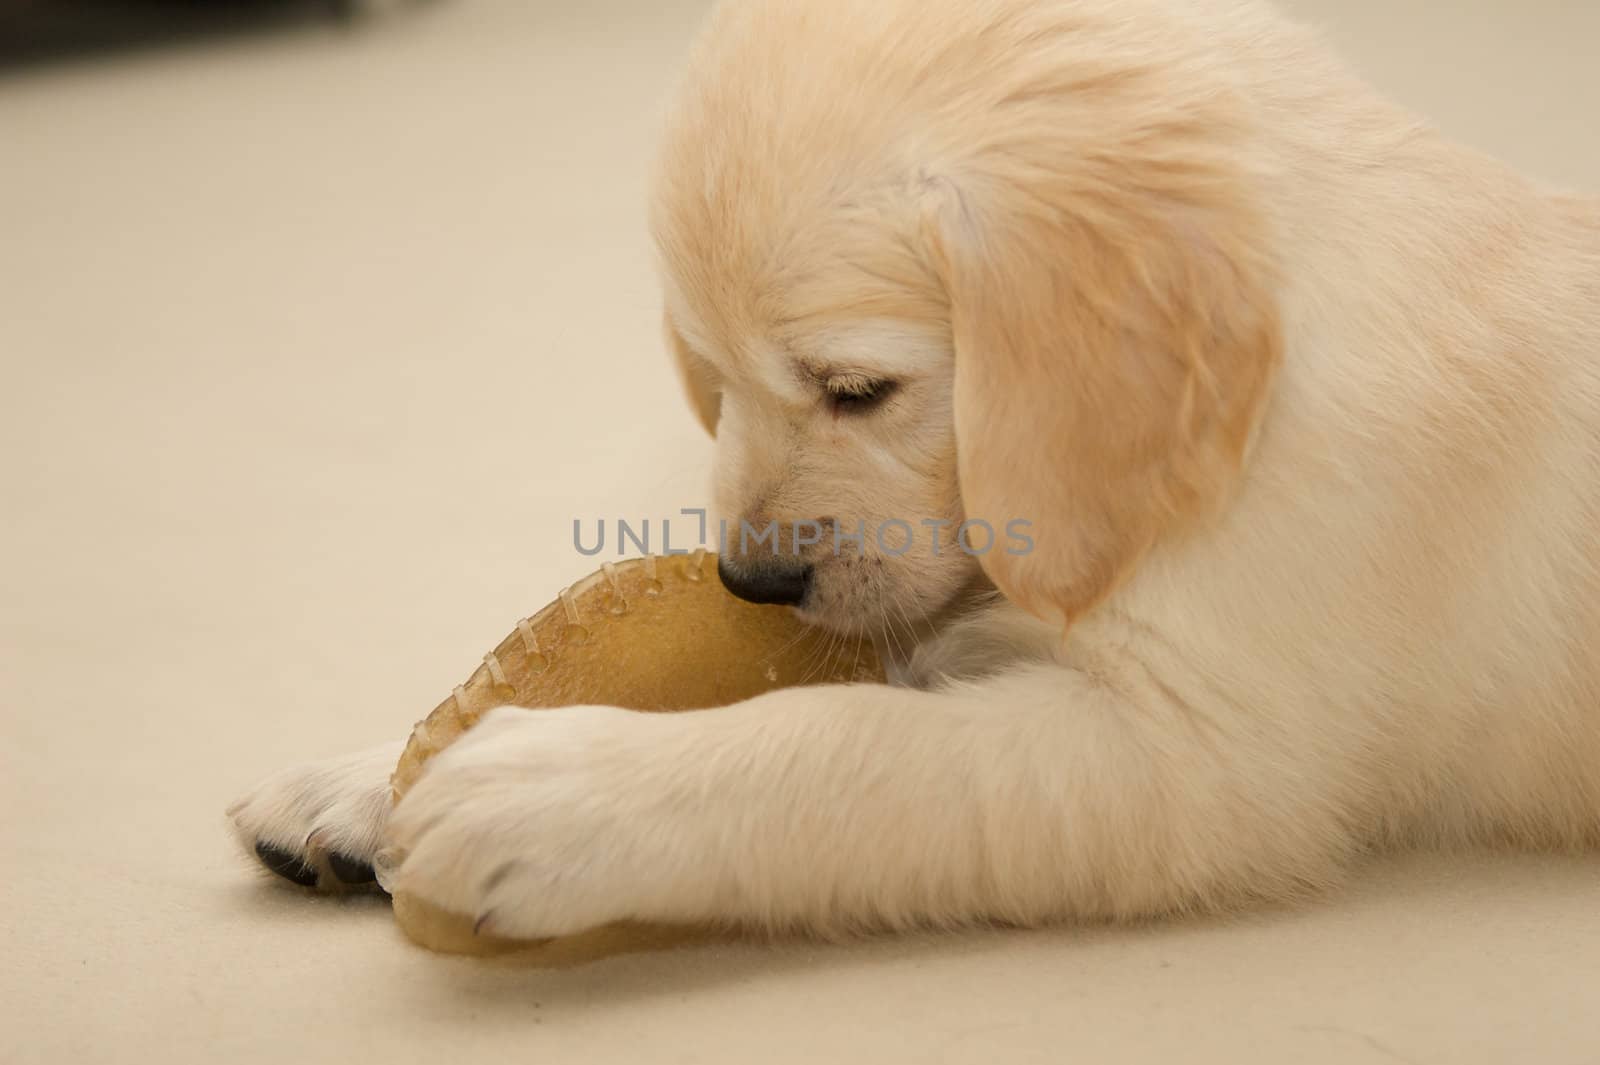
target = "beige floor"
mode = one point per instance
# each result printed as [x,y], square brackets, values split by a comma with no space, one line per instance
[312,347]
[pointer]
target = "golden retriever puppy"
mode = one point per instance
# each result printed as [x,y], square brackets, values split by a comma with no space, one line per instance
[1279,415]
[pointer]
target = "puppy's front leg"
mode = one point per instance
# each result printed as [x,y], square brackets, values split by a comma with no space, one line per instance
[1036,795]
[319,824]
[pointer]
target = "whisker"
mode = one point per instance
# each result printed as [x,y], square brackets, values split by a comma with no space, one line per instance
[889,629]
[806,632]
[813,651]
[821,666]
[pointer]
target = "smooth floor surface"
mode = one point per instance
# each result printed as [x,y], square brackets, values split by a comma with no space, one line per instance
[314,344]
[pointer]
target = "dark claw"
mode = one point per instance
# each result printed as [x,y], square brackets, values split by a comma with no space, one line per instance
[349,870]
[286,864]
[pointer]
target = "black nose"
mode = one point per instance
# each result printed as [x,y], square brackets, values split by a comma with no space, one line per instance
[767,581]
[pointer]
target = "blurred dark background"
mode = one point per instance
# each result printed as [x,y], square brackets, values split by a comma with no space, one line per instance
[34,31]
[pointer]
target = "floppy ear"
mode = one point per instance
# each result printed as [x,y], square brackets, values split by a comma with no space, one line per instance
[699,383]
[1115,342]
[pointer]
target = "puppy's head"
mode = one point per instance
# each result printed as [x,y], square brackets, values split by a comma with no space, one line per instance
[965,295]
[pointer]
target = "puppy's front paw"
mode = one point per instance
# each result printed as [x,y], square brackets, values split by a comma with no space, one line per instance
[540,823]
[319,824]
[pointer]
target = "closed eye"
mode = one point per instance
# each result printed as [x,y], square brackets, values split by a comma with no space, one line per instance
[852,393]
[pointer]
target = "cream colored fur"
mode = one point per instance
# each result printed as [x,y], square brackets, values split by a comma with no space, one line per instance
[1302,399]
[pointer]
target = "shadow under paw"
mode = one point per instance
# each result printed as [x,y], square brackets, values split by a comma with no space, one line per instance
[328,871]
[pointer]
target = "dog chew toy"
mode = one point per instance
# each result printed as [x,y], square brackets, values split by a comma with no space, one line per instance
[654,634]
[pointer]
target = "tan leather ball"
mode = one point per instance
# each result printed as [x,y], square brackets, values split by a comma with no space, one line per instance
[653,634]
